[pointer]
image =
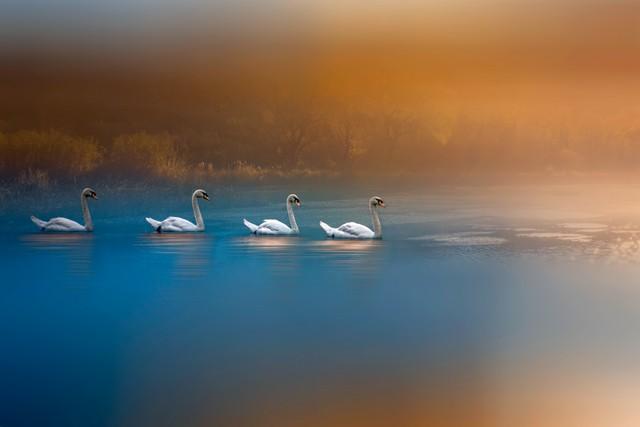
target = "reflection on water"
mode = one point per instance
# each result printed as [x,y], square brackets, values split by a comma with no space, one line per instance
[282,251]
[74,250]
[352,247]
[586,241]
[586,227]
[289,254]
[624,249]
[554,236]
[361,257]
[269,244]
[472,314]
[189,253]
[465,238]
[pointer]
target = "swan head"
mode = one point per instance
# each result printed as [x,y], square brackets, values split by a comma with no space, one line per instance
[376,202]
[90,192]
[294,200]
[201,194]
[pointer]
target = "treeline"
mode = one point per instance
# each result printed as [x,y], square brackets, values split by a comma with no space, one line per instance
[295,139]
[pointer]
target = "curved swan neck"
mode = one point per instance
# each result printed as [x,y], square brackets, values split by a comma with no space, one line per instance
[377,225]
[86,214]
[292,217]
[196,212]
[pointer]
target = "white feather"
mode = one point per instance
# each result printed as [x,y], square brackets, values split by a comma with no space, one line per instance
[58,224]
[251,226]
[349,230]
[353,230]
[65,224]
[176,224]
[273,227]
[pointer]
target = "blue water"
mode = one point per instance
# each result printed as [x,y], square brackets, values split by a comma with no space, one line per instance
[475,295]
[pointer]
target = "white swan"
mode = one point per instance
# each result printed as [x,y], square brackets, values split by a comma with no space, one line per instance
[273,227]
[65,224]
[353,230]
[176,224]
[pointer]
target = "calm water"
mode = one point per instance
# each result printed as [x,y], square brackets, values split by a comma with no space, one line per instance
[486,306]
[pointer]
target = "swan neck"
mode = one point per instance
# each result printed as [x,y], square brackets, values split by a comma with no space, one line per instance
[377,225]
[292,218]
[196,212]
[86,214]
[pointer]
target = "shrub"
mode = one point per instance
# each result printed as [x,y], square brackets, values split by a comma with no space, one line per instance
[34,178]
[51,152]
[147,155]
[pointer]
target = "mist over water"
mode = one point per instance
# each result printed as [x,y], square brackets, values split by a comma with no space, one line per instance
[499,296]
[497,304]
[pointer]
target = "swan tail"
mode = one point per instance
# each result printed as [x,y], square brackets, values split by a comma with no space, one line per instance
[251,226]
[155,224]
[40,223]
[327,229]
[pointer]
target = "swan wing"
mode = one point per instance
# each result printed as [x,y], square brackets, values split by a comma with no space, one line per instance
[63,224]
[38,222]
[251,226]
[273,226]
[174,223]
[327,228]
[354,230]
[153,223]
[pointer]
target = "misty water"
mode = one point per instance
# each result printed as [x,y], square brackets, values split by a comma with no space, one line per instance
[497,305]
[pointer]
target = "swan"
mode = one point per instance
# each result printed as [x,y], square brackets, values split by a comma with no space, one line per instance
[65,224]
[176,224]
[353,230]
[273,227]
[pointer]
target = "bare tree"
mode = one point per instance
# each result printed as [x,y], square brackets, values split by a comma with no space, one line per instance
[293,128]
[395,125]
[344,130]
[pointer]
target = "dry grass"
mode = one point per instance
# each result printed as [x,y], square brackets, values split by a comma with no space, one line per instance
[42,159]
[30,155]
[243,171]
[37,178]
[148,155]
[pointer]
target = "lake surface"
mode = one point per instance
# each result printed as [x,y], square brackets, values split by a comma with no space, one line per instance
[494,306]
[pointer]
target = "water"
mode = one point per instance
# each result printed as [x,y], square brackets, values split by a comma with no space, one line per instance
[482,305]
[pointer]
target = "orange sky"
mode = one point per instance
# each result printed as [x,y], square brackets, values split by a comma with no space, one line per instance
[569,61]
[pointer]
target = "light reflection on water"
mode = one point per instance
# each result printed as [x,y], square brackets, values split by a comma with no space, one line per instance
[291,252]
[189,253]
[473,314]
[73,250]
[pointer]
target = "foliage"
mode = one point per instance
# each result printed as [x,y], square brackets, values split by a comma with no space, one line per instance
[143,155]
[276,140]
[30,155]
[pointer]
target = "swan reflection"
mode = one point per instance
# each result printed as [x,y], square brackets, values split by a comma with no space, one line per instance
[190,252]
[347,246]
[75,249]
[355,256]
[266,243]
[289,253]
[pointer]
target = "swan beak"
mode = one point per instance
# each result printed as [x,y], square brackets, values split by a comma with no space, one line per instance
[382,205]
[206,197]
[94,196]
[298,204]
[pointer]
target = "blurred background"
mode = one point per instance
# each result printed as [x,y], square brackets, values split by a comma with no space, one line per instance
[486,304]
[166,90]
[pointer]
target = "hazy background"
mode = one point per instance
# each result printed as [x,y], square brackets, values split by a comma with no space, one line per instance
[165,89]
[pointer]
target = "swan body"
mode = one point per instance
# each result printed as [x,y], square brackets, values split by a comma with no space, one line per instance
[348,230]
[176,224]
[273,227]
[353,230]
[66,224]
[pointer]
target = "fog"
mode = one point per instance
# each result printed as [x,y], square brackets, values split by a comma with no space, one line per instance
[512,86]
